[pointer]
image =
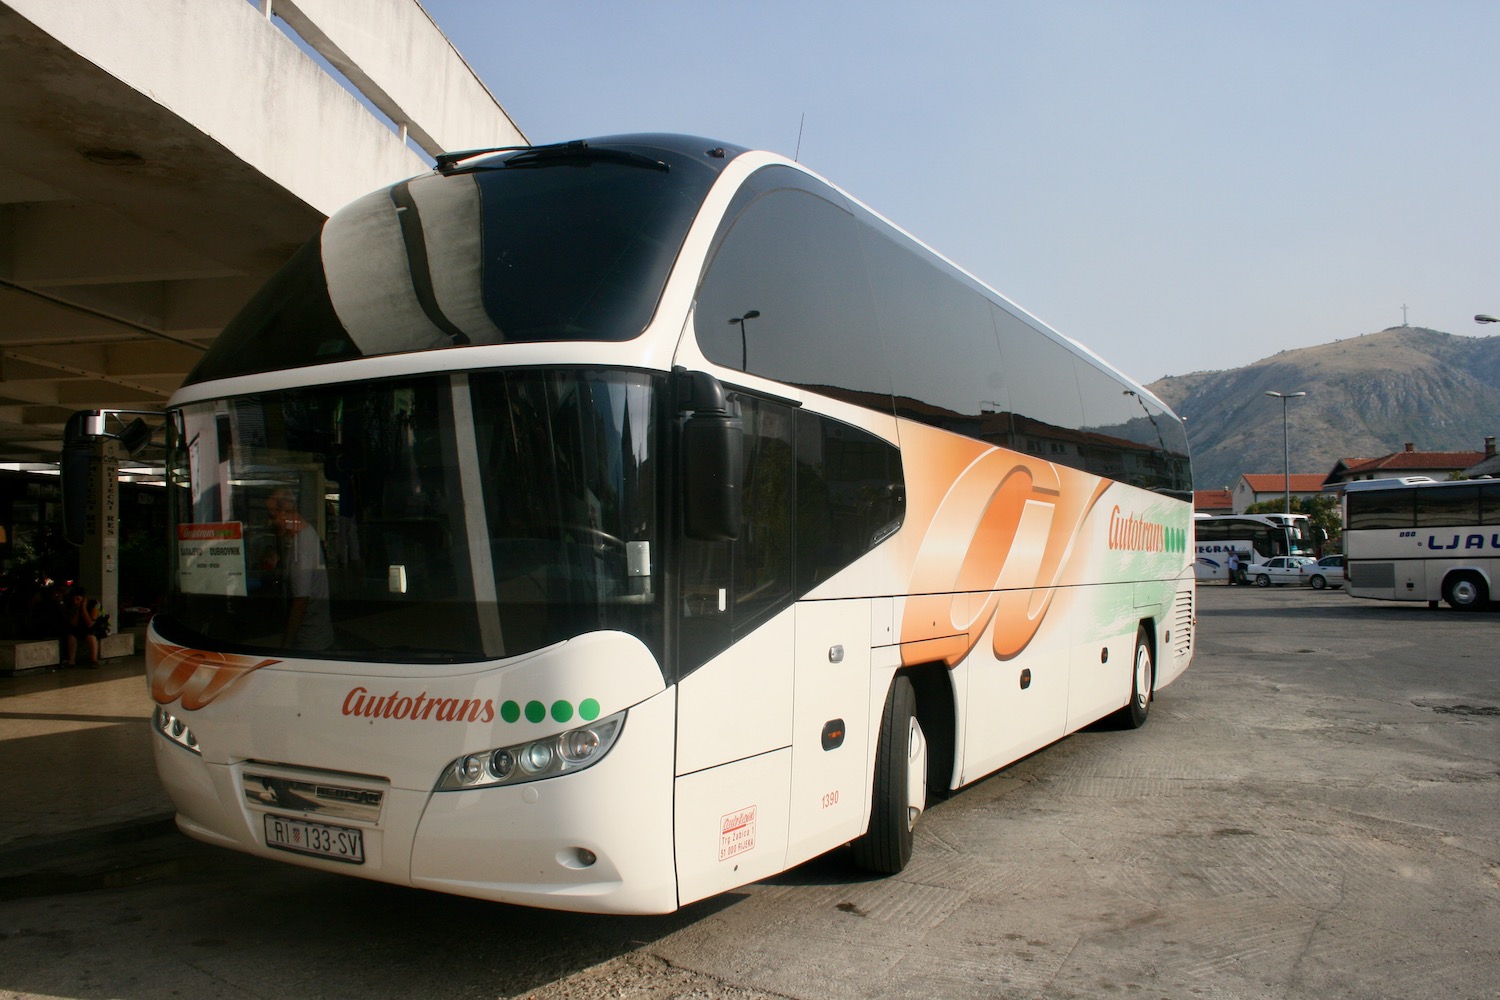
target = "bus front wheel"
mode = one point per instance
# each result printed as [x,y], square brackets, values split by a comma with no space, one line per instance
[1465,592]
[900,788]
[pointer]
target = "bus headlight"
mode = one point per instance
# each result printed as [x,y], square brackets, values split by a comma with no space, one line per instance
[175,730]
[563,753]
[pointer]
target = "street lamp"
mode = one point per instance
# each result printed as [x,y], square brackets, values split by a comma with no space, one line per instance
[739,321]
[1286,454]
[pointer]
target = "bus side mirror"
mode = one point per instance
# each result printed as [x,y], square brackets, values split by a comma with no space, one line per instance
[713,443]
[712,460]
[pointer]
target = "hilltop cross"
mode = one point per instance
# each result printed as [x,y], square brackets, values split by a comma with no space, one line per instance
[1403,315]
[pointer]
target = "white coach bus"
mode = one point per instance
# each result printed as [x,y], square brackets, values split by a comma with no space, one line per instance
[605,525]
[1420,540]
[1254,537]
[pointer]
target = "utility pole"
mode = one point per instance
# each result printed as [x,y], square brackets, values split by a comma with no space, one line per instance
[1286,453]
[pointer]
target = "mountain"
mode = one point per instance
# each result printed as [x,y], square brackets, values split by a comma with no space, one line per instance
[1366,397]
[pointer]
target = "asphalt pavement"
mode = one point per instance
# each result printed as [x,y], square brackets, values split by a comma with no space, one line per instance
[75,755]
[1309,814]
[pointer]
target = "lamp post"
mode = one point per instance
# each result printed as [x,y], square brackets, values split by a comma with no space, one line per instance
[1286,453]
[739,321]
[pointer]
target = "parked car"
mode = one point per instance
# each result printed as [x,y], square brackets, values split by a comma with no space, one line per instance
[1326,572]
[1280,570]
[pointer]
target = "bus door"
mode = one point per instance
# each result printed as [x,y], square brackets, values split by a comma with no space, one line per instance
[831,738]
[735,640]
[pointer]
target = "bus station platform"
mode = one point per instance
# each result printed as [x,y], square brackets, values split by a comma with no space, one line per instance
[76,771]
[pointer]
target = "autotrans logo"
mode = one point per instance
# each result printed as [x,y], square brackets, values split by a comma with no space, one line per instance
[1133,533]
[361,703]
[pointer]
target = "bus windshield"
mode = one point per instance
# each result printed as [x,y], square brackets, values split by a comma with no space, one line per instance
[1300,540]
[552,249]
[437,518]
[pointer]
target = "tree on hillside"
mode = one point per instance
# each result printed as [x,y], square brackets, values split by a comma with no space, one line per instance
[1322,511]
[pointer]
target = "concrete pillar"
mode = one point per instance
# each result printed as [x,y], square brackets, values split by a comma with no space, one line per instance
[99,561]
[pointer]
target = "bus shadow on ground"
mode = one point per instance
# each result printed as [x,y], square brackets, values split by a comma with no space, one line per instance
[227,911]
[834,868]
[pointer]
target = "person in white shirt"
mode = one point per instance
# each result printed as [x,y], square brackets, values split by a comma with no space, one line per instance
[304,575]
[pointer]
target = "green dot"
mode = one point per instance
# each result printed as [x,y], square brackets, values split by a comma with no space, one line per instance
[535,711]
[510,711]
[588,710]
[562,711]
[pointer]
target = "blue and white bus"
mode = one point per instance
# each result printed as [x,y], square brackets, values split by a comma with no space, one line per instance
[1256,537]
[1421,540]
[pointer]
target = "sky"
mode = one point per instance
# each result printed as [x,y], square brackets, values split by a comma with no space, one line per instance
[1181,186]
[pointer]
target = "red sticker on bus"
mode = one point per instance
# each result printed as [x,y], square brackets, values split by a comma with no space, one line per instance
[736,833]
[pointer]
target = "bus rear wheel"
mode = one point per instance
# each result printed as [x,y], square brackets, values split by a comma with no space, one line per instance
[1465,592]
[1142,683]
[900,790]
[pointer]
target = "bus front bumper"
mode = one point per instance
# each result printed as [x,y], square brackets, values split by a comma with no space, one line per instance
[599,840]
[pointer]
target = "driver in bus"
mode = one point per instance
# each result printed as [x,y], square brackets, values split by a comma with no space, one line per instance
[304,575]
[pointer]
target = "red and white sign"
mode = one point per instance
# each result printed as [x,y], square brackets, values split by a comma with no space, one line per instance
[211,558]
[736,833]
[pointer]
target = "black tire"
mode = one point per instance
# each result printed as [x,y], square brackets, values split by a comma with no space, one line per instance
[1262,580]
[900,790]
[1318,583]
[1142,684]
[1465,592]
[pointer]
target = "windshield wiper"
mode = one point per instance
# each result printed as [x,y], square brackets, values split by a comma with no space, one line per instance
[447,163]
[575,152]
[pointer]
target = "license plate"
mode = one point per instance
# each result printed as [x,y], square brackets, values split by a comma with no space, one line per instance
[338,843]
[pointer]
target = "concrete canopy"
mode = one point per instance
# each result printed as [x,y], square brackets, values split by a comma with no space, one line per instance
[160,159]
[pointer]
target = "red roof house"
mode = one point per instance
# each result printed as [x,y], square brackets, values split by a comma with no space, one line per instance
[1257,487]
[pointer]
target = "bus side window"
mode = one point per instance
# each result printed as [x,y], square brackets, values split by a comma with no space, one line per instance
[850,496]
[945,360]
[730,587]
[1450,507]
[1382,509]
[786,296]
[1489,499]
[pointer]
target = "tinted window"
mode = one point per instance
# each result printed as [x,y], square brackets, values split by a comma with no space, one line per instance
[430,519]
[1489,498]
[1382,509]
[323,495]
[557,248]
[1045,406]
[800,290]
[581,252]
[818,495]
[785,294]
[728,588]
[945,363]
[1262,537]
[289,322]
[1448,507]
[850,496]
[1127,436]
[568,460]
